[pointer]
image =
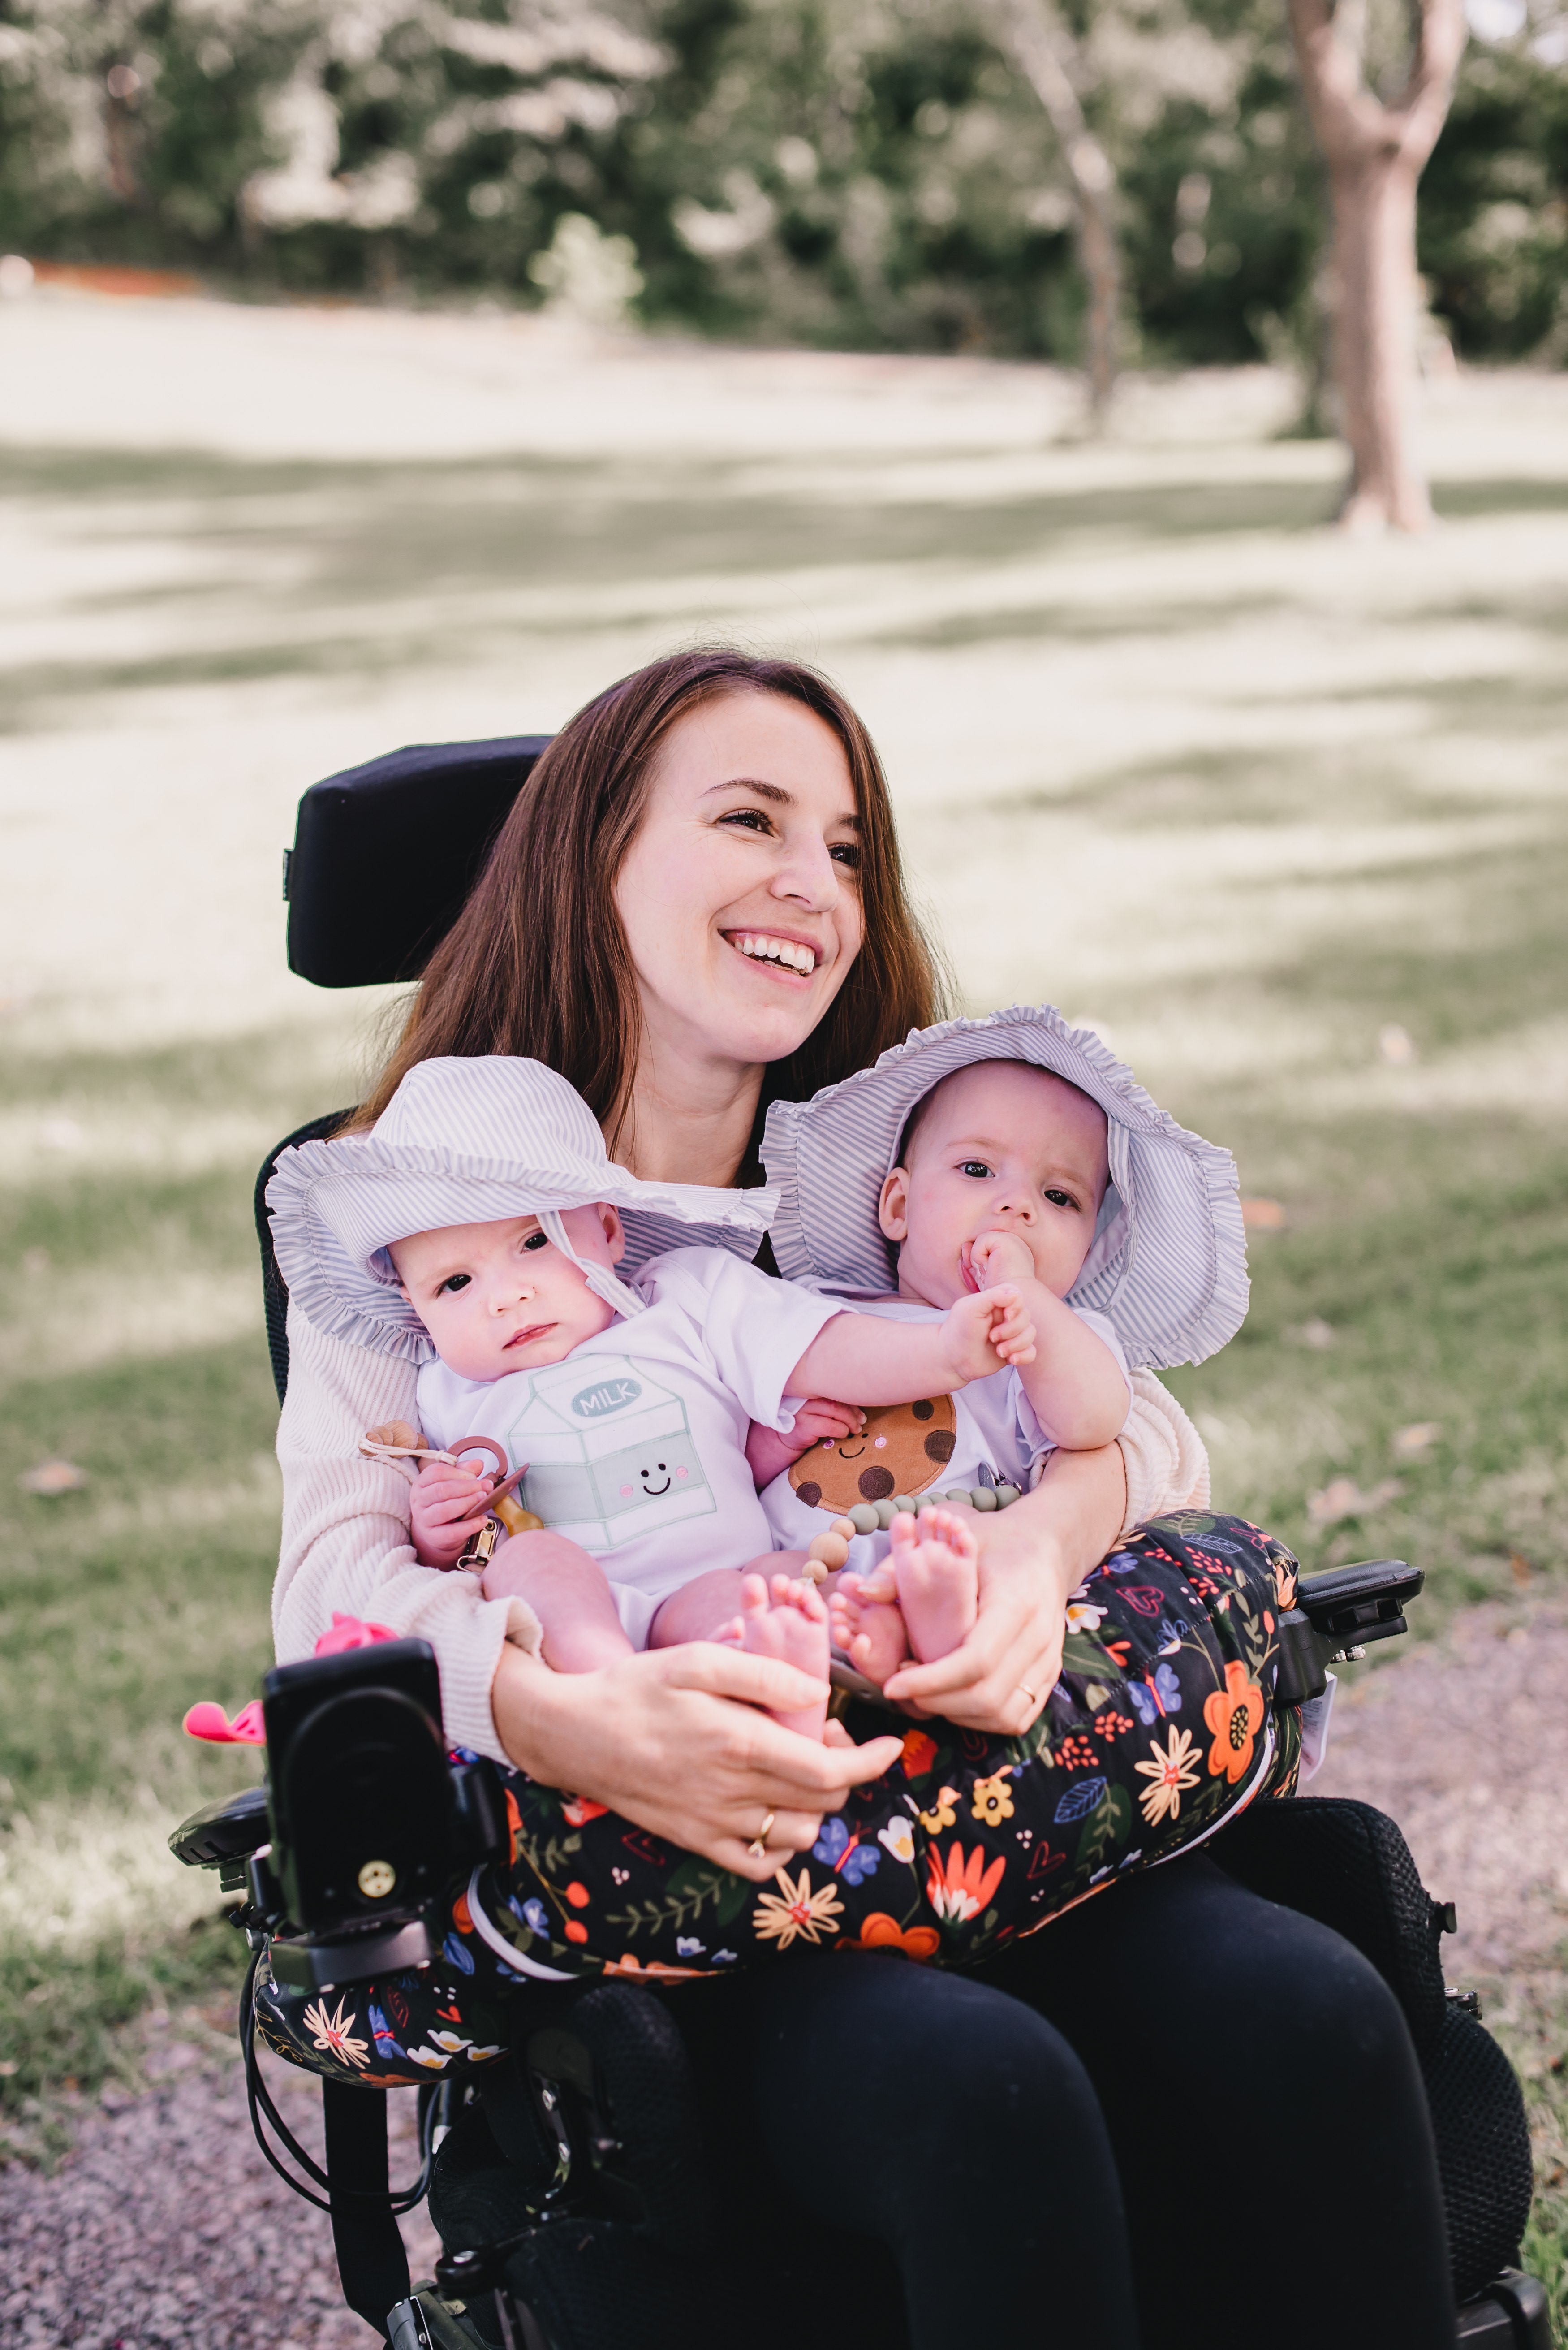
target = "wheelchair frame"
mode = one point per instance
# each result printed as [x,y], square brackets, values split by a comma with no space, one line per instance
[372,883]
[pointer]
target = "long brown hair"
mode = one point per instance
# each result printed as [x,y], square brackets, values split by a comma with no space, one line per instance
[536,964]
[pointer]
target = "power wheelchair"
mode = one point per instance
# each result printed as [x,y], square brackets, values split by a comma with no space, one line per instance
[593,2108]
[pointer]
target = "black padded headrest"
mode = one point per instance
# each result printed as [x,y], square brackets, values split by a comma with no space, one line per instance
[384,855]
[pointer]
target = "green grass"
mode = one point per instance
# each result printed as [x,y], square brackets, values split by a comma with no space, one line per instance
[1257,798]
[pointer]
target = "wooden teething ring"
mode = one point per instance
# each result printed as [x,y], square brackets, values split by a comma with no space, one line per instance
[502,1484]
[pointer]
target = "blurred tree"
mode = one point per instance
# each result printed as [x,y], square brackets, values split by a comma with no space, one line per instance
[1375,149]
[1050,62]
[874,174]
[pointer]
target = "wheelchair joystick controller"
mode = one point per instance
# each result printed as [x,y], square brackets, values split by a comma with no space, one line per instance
[1336,1617]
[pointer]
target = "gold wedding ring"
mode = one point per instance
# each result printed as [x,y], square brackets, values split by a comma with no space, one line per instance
[758,1847]
[1028,1692]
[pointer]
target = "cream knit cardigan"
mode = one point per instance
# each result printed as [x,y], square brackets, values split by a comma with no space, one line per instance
[346,1546]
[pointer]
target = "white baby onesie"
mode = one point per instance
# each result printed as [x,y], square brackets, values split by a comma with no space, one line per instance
[997,1440]
[636,1442]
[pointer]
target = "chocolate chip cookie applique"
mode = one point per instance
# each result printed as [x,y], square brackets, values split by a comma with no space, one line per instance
[902,1449]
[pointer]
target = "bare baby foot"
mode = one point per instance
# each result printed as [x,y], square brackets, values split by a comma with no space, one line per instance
[935,1568]
[789,1623]
[867,1627]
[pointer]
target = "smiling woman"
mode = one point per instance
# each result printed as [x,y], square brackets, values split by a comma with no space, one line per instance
[728,923]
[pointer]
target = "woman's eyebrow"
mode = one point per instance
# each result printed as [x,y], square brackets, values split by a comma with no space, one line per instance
[780,796]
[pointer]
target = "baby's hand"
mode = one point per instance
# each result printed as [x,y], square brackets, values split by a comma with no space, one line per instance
[986,1332]
[1000,1256]
[444,1517]
[769,1453]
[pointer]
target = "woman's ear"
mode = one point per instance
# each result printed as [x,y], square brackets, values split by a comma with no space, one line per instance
[893,1207]
[614,1232]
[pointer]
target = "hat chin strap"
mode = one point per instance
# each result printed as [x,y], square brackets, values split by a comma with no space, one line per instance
[601,1280]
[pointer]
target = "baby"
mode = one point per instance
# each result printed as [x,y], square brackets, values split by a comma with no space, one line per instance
[502,1303]
[1001,1173]
[479,1228]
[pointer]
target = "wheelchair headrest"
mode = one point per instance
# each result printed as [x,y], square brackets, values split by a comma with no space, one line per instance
[384,855]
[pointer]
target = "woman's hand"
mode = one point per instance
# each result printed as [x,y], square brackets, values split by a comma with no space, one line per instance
[1031,1556]
[673,1739]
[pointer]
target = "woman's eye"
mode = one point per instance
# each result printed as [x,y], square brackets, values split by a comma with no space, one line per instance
[975,1166]
[537,1241]
[845,853]
[752,818]
[453,1282]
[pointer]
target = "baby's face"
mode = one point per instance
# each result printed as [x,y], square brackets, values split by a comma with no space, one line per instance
[500,1297]
[1004,1149]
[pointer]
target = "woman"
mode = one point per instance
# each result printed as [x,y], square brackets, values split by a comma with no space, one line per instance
[696,907]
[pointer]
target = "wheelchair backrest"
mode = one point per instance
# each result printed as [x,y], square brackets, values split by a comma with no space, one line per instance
[383,857]
[384,854]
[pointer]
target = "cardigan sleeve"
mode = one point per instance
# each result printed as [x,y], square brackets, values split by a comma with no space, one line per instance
[1167,1465]
[345,1546]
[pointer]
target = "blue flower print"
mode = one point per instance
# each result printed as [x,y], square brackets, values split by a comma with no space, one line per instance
[1173,1630]
[1080,1798]
[457,1950]
[533,1914]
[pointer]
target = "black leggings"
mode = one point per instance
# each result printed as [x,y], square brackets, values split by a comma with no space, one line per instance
[1178,2116]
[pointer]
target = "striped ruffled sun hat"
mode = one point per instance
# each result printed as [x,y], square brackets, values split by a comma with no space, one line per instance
[1168,1264]
[470,1142]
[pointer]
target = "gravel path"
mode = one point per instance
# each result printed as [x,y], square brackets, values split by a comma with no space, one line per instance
[163,2230]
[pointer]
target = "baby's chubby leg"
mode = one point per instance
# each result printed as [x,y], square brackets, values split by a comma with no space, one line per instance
[922,1599]
[766,1613]
[569,1593]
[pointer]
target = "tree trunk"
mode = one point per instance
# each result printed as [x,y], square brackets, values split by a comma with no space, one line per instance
[1044,51]
[1375,339]
[1374,155]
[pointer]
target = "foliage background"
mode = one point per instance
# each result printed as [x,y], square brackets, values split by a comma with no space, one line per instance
[826,172]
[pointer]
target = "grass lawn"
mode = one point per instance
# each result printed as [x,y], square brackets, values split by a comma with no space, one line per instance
[1166,752]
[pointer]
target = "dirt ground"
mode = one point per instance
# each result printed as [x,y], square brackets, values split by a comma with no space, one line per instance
[163,2230]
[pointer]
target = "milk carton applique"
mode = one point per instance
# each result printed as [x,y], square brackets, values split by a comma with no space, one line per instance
[610,1452]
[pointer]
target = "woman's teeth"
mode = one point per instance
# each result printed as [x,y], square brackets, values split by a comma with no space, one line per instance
[762,948]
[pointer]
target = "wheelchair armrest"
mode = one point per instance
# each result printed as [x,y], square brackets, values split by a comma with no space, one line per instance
[230,1828]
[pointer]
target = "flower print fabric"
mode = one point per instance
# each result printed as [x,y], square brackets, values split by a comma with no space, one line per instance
[1160,1728]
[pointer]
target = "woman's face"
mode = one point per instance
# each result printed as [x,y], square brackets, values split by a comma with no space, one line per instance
[740,895]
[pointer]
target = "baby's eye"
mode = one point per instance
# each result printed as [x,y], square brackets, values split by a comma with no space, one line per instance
[975,1166]
[453,1282]
[537,1241]
[1060,1199]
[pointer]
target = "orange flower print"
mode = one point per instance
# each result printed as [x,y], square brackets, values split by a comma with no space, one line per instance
[651,1970]
[578,1810]
[960,1887]
[880,1932]
[1235,1715]
[919,1754]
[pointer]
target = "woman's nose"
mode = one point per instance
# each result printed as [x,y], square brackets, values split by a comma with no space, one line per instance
[809,875]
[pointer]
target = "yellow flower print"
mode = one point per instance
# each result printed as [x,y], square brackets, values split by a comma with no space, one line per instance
[801,1911]
[1170,1775]
[332,2034]
[941,1814]
[992,1804]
